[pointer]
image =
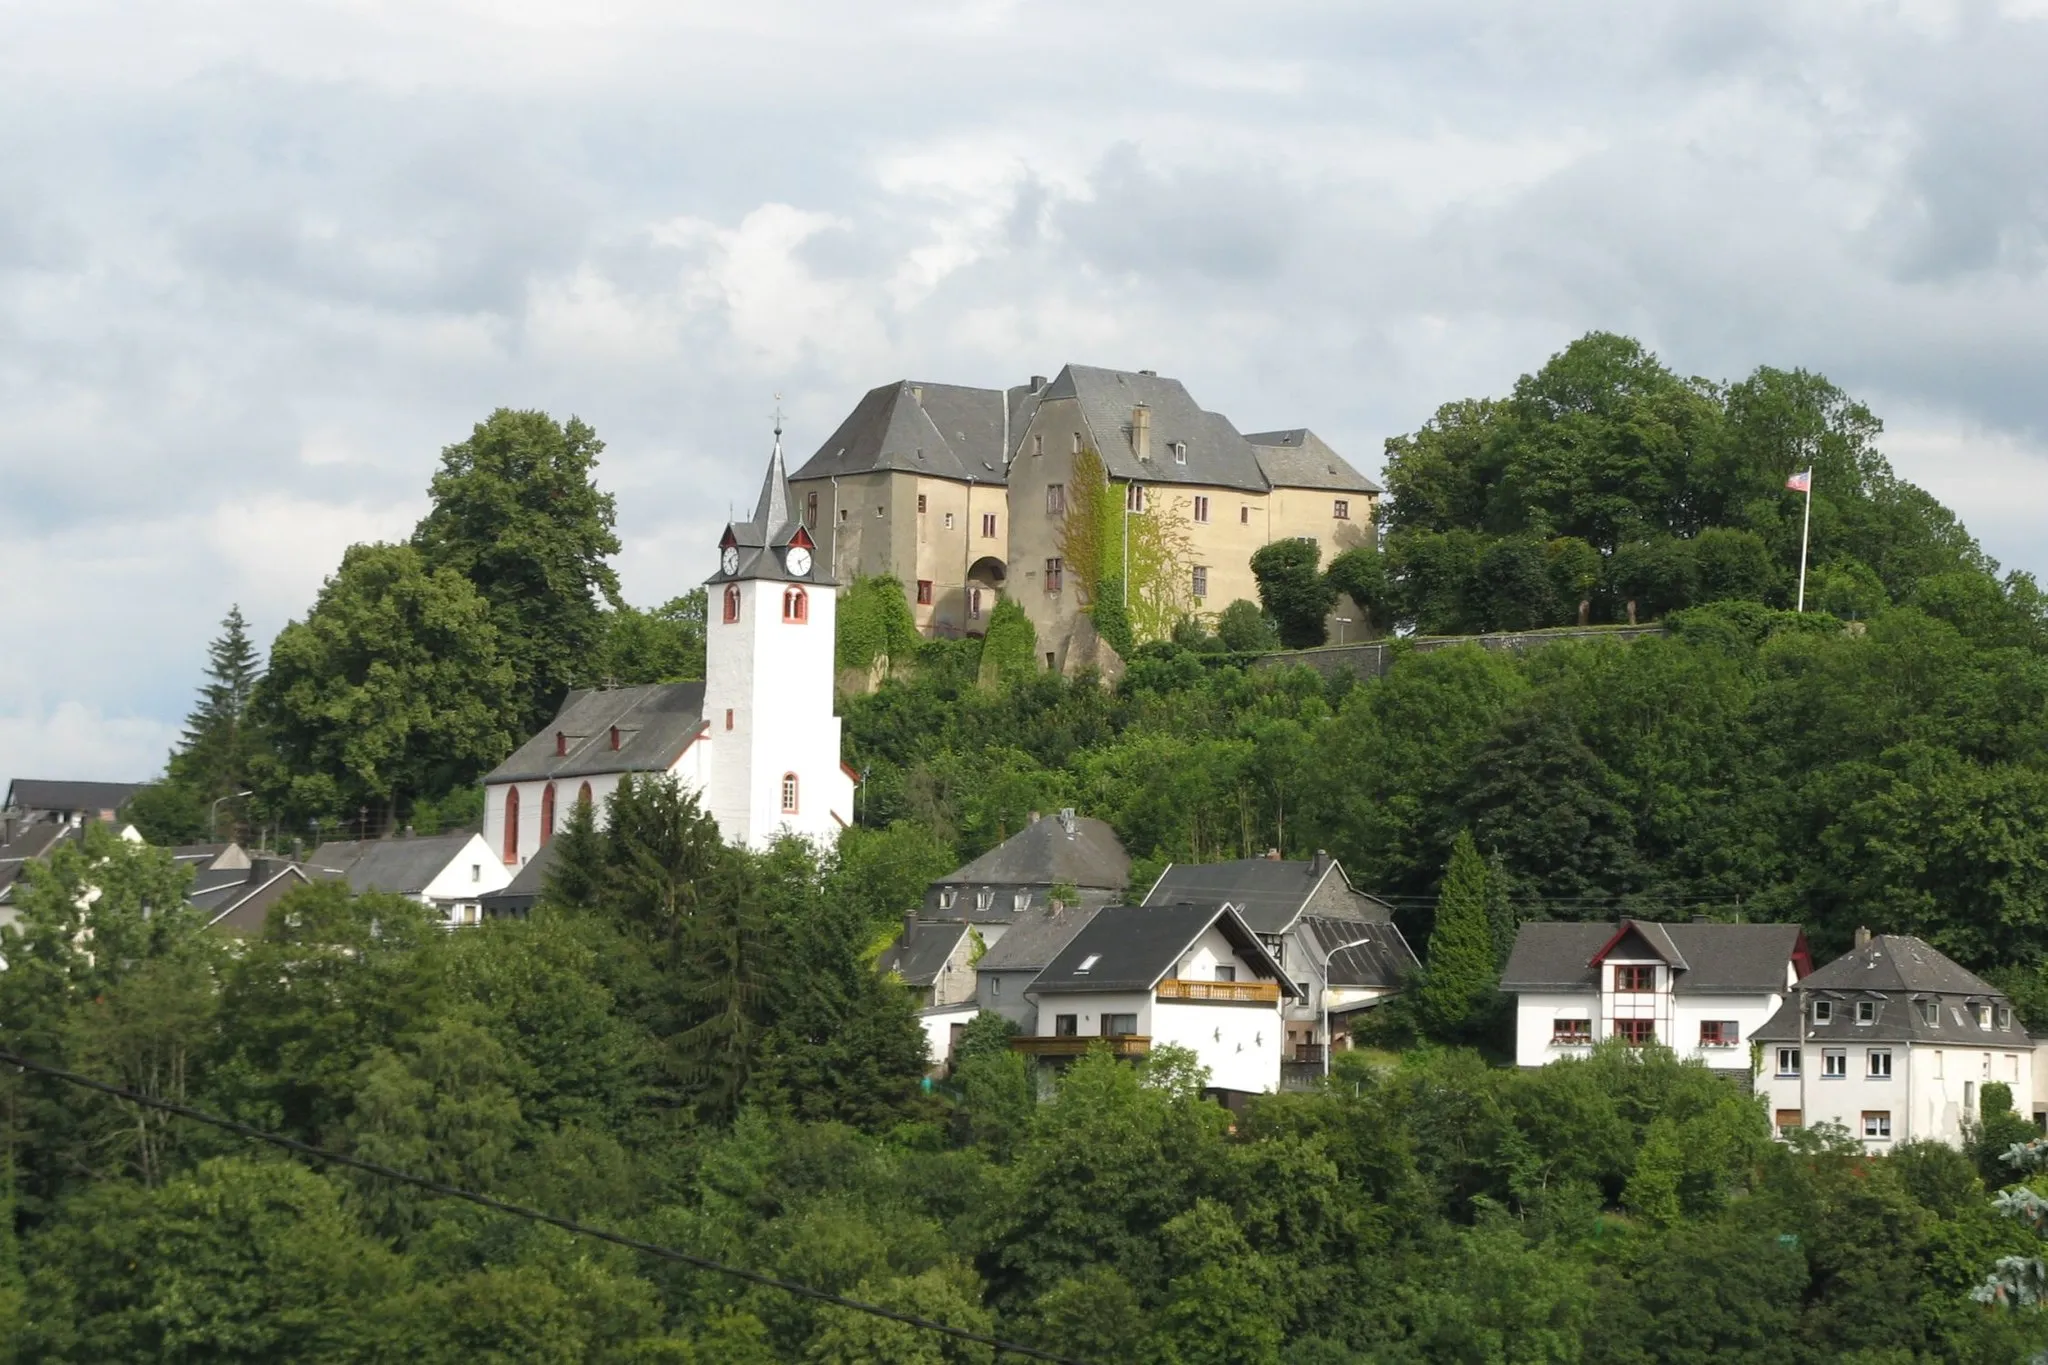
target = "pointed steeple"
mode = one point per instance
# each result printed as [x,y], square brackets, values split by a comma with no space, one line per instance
[771,514]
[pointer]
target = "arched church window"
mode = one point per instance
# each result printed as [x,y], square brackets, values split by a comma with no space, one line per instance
[511,825]
[789,793]
[796,606]
[732,602]
[583,796]
[547,814]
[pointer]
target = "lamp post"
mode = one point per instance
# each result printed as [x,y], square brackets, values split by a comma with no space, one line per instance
[213,812]
[1354,943]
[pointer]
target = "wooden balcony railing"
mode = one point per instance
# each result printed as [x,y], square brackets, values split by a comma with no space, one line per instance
[1230,992]
[1073,1045]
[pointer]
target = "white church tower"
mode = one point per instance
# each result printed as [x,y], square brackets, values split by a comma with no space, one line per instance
[768,676]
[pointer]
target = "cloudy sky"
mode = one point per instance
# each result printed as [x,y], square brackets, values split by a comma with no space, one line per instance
[260,261]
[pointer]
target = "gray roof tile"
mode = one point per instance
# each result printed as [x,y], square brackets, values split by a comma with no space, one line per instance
[1298,458]
[1035,938]
[32,793]
[1134,946]
[1713,958]
[944,431]
[1382,962]
[1217,455]
[401,866]
[1269,892]
[930,948]
[655,723]
[1047,852]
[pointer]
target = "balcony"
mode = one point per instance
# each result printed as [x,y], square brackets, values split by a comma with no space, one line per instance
[1225,992]
[1073,1044]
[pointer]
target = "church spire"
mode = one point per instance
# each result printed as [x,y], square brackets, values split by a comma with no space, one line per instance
[771,514]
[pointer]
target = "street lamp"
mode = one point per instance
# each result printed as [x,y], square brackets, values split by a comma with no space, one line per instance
[1354,943]
[213,812]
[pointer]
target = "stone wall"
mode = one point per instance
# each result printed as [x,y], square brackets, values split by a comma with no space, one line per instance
[1372,660]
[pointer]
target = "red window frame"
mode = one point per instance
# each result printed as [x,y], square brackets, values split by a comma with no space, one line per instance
[1570,1032]
[583,795]
[1630,980]
[924,592]
[728,718]
[511,848]
[1720,1033]
[1636,1032]
[1340,509]
[547,814]
[732,603]
[796,606]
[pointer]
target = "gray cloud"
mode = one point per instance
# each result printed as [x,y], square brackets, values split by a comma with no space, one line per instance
[258,265]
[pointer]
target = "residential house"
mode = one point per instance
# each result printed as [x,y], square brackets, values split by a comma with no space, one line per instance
[913,484]
[1030,942]
[449,872]
[1140,977]
[1338,945]
[238,900]
[1067,862]
[1702,989]
[516,899]
[1894,1042]
[32,800]
[756,741]
[27,843]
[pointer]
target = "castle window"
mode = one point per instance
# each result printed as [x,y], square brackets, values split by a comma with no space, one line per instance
[796,606]
[789,793]
[1244,515]
[949,521]
[1201,507]
[1077,443]
[811,510]
[1570,1032]
[1201,584]
[1038,444]
[1341,509]
[1134,497]
[1055,499]
[547,814]
[732,602]
[511,825]
[920,504]
[924,592]
[1055,574]
[988,525]
[974,603]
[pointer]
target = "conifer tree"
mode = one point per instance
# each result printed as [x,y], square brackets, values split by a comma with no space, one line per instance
[213,756]
[1461,972]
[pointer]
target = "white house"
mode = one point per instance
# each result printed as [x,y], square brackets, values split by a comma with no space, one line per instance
[1894,1042]
[1338,945]
[756,740]
[1700,989]
[450,872]
[1139,977]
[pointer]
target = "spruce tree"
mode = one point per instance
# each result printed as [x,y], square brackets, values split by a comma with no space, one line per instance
[215,755]
[1461,974]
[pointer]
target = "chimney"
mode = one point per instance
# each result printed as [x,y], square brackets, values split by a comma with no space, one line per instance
[1321,863]
[1037,383]
[1149,374]
[909,926]
[1141,431]
[1862,937]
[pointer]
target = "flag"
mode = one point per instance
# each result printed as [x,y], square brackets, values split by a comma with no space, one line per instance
[1802,482]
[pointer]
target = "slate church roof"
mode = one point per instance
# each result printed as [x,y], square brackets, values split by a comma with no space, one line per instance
[655,723]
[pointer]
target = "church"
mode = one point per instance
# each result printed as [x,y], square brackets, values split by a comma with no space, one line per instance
[756,741]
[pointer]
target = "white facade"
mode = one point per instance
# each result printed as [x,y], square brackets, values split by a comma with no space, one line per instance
[1678,1020]
[1912,1092]
[540,819]
[456,890]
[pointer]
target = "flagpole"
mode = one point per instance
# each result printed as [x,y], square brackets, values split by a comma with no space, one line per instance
[1805,525]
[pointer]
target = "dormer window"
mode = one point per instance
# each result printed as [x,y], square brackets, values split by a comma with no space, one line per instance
[1823,1011]
[2001,1016]
[1980,1014]
[985,898]
[1021,901]
[796,606]
[1866,1011]
[1930,1012]
[1180,452]
[1088,963]
[946,899]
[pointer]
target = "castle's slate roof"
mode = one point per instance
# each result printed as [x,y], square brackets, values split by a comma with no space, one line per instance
[944,431]
[1133,947]
[1709,959]
[1035,938]
[401,866]
[1217,454]
[1270,893]
[1048,852]
[656,722]
[1380,963]
[33,793]
[1298,458]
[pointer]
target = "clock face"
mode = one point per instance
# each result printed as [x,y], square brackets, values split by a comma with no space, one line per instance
[798,560]
[730,560]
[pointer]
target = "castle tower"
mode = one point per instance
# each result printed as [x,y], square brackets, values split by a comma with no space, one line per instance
[770,630]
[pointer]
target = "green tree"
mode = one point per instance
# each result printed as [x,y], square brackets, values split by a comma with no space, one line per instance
[1360,573]
[874,622]
[1294,594]
[517,513]
[1010,649]
[1461,975]
[1244,628]
[663,644]
[392,688]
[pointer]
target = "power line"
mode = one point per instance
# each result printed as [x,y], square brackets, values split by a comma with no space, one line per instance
[568,1225]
